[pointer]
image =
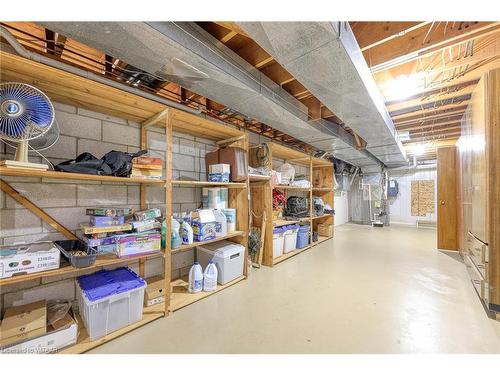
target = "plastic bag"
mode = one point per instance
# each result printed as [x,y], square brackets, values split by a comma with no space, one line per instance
[56,310]
[287,173]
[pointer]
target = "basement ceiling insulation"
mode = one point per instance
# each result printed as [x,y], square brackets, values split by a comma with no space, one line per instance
[326,59]
[186,54]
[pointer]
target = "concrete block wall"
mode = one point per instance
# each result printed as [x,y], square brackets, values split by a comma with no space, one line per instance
[83,130]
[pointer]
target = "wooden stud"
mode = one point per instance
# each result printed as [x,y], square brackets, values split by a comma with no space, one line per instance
[168,208]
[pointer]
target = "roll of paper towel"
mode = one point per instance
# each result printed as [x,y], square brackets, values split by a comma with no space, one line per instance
[215,198]
[231,219]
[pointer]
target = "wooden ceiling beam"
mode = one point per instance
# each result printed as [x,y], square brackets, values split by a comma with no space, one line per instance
[441,128]
[423,100]
[424,40]
[429,113]
[277,73]
[254,54]
[451,101]
[232,26]
[433,137]
[426,124]
[371,34]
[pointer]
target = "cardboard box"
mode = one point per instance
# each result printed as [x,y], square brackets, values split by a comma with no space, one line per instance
[219,172]
[203,224]
[61,334]
[137,243]
[23,322]
[154,292]
[28,258]
[325,230]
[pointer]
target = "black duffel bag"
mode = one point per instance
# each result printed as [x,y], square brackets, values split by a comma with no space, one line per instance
[114,163]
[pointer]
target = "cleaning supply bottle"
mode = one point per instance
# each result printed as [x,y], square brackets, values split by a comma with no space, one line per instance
[195,283]
[176,237]
[220,223]
[210,277]
[164,234]
[187,233]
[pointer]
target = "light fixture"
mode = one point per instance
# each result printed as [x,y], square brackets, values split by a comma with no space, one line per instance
[403,86]
[419,149]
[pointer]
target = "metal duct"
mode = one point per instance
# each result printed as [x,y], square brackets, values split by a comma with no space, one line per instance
[187,55]
[326,59]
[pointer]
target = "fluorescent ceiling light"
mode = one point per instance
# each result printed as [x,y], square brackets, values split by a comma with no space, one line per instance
[403,87]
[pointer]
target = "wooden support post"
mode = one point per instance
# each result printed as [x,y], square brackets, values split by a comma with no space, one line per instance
[311,205]
[168,208]
[156,118]
[14,194]
[142,192]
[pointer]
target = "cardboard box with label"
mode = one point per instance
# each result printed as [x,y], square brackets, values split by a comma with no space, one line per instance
[203,224]
[154,292]
[28,258]
[23,322]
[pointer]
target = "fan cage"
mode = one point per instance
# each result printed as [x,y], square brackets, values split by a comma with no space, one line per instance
[35,115]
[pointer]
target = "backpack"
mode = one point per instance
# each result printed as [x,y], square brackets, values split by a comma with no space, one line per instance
[114,163]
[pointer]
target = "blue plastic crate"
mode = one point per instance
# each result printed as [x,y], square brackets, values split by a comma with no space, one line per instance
[303,236]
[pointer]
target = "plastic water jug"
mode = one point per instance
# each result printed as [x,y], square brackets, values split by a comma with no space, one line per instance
[195,284]
[220,223]
[210,277]
[187,233]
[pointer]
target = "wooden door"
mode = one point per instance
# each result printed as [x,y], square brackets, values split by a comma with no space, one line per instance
[447,199]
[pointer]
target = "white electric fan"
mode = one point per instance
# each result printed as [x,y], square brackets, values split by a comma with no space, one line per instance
[26,113]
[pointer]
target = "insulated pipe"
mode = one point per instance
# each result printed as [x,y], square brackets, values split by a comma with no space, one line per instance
[89,75]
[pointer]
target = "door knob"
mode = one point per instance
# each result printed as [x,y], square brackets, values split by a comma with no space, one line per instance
[441,203]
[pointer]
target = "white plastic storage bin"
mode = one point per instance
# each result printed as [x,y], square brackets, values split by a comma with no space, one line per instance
[227,256]
[290,243]
[278,239]
[110,300]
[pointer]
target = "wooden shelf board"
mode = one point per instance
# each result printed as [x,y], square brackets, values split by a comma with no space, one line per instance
[325,189]
[289,187]
[318,162]
[256,178]
[288,154]
[230,185]
[280,223]
[180,296]
[289,255]
[84,344]
[183,248]
[101,261]
[4,171]
[322,239]
[322,216]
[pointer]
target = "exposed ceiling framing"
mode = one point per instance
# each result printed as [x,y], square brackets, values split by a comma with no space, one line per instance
[444,60]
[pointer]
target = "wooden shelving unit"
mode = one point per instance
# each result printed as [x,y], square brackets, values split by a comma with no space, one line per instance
[82,92]
[261,195]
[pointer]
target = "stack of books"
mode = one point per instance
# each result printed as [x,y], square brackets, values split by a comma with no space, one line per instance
[147,167]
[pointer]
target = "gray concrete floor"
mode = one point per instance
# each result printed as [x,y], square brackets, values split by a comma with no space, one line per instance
[370,290]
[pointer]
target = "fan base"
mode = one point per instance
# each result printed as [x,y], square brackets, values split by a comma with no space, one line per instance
[23,165]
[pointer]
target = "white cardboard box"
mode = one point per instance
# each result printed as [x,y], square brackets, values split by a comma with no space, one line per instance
[28,258]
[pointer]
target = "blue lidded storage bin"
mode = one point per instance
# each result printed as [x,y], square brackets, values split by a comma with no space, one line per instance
[110,300]
[303,236]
